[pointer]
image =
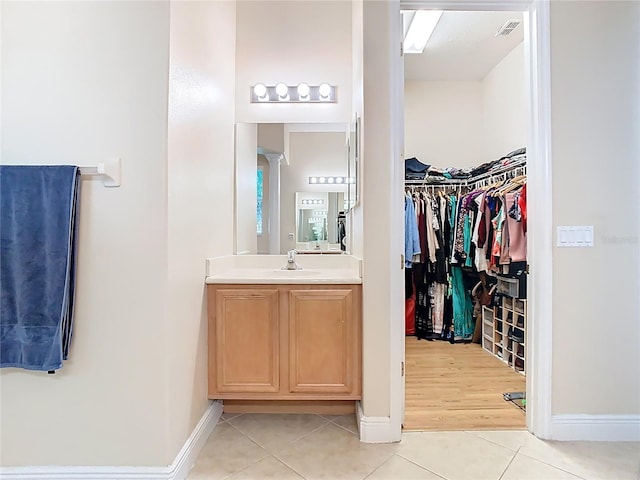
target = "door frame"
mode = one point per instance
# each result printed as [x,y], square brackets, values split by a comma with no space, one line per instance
[540,230]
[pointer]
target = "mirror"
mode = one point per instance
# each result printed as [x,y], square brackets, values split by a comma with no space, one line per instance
[354,160]
[320,221]
[274,162]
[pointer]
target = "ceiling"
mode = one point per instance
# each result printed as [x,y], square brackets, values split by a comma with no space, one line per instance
[463,47]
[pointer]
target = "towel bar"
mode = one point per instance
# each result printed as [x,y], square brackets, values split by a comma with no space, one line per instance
[109,170]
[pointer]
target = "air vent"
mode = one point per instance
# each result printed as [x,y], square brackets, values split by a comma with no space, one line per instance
[507,28]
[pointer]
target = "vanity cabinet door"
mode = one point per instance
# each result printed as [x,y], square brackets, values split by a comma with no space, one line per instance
[323,342]
[244,339]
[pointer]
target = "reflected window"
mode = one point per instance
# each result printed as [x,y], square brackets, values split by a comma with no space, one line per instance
[260,184]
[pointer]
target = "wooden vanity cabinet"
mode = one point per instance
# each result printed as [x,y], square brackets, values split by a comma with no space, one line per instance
[284,342]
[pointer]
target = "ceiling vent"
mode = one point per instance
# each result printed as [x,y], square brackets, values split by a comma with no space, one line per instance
[508,27]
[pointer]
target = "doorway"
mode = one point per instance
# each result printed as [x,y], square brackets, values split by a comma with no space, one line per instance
[538,346]
[465,148]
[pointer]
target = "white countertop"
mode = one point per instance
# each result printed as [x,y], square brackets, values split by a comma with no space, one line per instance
[267,269]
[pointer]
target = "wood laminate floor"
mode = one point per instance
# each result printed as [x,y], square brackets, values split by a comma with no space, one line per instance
[458,387]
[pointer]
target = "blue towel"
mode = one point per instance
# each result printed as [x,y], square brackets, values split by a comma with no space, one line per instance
[38,208]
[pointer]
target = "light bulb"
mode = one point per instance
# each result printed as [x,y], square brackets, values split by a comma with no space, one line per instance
[339,179]
[322,179]
[303,91]
[324,90]
[260,91]
[282,90]
[330,180]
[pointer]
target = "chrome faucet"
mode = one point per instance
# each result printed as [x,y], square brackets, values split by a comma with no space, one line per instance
[291,261]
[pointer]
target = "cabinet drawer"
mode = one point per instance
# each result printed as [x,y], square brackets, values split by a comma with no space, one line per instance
[507,286]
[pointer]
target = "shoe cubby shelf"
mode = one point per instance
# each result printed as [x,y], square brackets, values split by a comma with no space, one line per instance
[504,329]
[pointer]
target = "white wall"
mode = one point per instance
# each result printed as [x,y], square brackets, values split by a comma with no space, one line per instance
[505,106]
[355,228]
[200,196]
[246,193]
[293,42]
[82,82]
[444,123]
[595,119]
[311,153]
[463,124]
[383,278]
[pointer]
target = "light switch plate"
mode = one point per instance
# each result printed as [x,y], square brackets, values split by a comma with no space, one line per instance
[575,236]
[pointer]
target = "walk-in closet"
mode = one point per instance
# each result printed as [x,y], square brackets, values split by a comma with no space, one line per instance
[465,212]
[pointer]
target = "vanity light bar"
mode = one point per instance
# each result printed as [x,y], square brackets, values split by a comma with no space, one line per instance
[301,93]
[313,201]
[331,180]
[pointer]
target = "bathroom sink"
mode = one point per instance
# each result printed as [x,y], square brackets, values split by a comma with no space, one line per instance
[298,273]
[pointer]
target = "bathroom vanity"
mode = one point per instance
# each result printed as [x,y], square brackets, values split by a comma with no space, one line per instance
[289,338]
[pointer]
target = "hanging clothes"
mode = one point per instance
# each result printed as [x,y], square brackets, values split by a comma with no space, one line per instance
[411,235]
[462,306]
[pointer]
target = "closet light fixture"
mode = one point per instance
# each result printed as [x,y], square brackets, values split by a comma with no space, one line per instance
[422,26]
[331,180]
[300,93]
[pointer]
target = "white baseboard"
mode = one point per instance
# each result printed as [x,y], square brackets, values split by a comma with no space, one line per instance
[178,470]
[375,429]
[188,454]
[604,428]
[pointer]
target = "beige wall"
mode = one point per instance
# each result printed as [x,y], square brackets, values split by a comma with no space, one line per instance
[595,54]
[505,114]
[594,79]
[199,196]
[292,42]
[83,82]
[444,123]
[310,153]
[135,385]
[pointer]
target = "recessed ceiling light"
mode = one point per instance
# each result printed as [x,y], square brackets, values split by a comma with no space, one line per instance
[422,26]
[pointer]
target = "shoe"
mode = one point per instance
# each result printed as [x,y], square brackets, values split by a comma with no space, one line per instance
[519,364]
[516,335]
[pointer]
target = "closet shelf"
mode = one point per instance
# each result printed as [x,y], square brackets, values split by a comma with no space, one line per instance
[496,323]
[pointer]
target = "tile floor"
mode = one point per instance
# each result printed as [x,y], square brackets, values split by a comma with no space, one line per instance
[283,447]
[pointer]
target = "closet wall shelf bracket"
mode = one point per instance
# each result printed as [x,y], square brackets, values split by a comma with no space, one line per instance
[109,171]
